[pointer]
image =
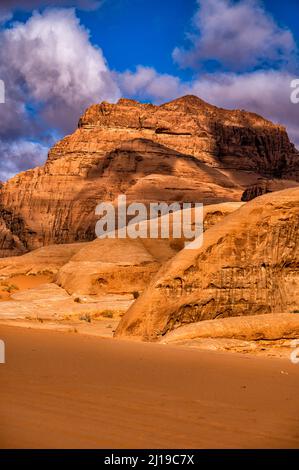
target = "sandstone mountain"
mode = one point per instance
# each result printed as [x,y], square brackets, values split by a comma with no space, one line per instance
[248,265]
[185,150]
[108,266]
[69,280]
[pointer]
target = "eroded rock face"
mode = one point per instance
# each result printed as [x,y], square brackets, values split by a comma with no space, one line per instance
[10,244]
[221,138]
[268,327]
[58,281]
[248,265]
[264,186]
[120,266]
[185,150]
[48,259]
[109,266]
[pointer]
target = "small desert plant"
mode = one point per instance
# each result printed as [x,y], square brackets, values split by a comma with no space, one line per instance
[107,314]
[10,288]
[86,317]
[295,311]
[136,294]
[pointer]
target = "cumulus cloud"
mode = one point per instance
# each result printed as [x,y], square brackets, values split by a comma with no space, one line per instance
[19,156]
[51,57]
[52,72]
[236,34]
[147,83]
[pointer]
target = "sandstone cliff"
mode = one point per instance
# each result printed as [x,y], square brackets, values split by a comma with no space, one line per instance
[248,265]
[185,150]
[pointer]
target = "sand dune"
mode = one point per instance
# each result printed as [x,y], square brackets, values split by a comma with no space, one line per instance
[63,390]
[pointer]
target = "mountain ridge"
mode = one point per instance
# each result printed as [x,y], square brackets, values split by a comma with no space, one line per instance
[185,150]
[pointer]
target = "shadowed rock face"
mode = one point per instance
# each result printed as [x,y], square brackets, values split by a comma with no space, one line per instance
[248,265]
[267,186]
[10,243]
[185,150]
[109,266]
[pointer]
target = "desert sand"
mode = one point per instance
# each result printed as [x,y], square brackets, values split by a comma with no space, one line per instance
[65,390]
[19,283]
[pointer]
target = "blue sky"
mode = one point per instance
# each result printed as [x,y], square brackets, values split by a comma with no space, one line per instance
[57,58]
[146,31]
[141,32]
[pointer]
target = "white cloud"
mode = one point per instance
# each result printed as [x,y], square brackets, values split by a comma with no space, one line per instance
[52,57]
[147,83]
[19,156]
[237,34]
[52,73]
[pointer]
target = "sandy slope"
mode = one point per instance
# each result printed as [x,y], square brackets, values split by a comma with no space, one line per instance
[66,390]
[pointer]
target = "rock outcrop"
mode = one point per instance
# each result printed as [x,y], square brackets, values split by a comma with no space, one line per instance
[10,244]
[86,280]
[50,302]
[248,265]
[185,150]
[120,266]
[108,266]
[48,259]
[268,327]
[264,186]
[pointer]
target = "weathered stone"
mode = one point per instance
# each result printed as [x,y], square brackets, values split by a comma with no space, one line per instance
[264,186]
[185,150]
[248,265]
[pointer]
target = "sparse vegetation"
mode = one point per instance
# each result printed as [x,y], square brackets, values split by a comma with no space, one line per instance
[9,288]
[107,314]
[136,294]
[86,317]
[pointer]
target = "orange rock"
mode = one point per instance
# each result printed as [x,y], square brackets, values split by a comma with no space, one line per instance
[185,150]
[248,265]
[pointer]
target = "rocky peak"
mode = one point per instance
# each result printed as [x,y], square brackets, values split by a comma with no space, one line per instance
[185,150]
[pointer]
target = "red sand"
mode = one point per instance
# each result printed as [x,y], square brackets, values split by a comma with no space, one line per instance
[66,390]
[22,283]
